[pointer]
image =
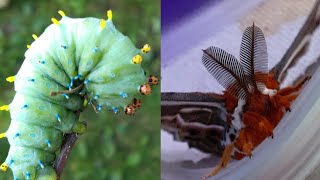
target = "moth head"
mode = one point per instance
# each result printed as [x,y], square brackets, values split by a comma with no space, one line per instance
[271,82]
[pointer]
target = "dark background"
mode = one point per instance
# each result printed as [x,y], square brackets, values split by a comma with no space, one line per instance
[173,11]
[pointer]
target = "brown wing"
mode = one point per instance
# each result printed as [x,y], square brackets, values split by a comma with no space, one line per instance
[195,118]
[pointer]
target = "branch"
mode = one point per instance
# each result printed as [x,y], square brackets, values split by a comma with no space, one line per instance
[67,145]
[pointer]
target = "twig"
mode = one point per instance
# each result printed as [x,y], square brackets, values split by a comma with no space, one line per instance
[67,91]
[69,141]
[67,145]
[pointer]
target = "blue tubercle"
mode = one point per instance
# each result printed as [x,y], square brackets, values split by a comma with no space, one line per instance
[123,94]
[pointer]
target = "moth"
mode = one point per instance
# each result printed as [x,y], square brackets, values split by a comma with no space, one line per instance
[255,104]
[203,119]
[76,62]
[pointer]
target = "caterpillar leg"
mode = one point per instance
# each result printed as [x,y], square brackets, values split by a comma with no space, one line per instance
[47,173]
[24,172]
[79,127]
[33,173]
[226,156]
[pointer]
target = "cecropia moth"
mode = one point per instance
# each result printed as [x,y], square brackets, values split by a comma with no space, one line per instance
[253,100]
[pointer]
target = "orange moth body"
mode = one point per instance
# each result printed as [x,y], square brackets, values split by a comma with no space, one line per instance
[254,102]
[260,115]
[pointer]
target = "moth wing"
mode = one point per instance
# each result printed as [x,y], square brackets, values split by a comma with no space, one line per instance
[196,118]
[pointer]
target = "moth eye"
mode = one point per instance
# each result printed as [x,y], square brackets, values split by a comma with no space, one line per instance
[137,59]
[145,89]
[146,48]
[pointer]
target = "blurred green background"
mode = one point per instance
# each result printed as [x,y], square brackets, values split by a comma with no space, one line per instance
[115,146]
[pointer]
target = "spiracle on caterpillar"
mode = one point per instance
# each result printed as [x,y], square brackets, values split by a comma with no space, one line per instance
[73,64]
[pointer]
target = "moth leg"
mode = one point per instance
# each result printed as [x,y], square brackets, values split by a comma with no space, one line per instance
[258,122]
[285,101]
[286,95]
[79,127]
[244,143]
[226,156]
[293,89]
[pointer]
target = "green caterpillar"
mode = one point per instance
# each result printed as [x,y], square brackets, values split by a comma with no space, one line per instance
[75,62]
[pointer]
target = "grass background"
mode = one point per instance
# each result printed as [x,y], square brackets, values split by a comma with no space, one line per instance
[114,147]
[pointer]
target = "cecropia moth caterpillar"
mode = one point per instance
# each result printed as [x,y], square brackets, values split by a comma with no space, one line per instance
[254,102]
[75,62]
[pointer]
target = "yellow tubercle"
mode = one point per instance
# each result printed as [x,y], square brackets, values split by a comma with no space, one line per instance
[10,79]
[3,135]
[4,166]
[4,108]
[146,48]
[28,46]
[102,23]
[55,21]
[62,14]
[137,59]
[109,15]
[35,37]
